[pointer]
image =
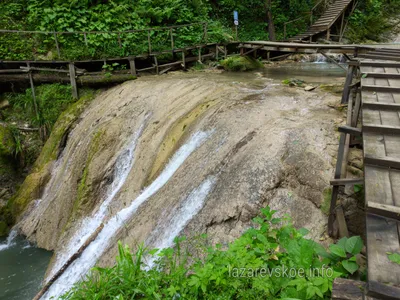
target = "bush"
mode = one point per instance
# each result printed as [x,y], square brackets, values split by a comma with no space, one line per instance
[273,245]
[241,63]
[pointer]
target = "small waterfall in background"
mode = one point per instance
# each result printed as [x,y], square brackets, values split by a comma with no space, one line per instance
[171,225]
[93,252]
[10,240]
[122,169]
[320,59]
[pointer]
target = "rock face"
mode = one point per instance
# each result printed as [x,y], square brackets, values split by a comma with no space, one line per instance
[266,145]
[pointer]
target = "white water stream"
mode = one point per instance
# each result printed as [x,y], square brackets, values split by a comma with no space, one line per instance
[93,252]
[10,240]
[122,169]
[167,230]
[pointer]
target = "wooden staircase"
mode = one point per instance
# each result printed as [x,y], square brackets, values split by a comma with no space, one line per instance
[325,22]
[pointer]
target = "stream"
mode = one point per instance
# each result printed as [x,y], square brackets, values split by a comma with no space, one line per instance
[23,266]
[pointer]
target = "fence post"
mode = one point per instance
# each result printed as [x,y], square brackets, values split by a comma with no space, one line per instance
[84,35]
[205,33]
[172,38]
[58,48]
[284,31]
[119,40]
[149,41]
[132,66]
[73,80]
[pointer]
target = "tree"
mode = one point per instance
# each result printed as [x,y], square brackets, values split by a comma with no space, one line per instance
[270,21]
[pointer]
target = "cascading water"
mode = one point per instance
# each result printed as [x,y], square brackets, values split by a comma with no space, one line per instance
[167,231]
[94,251]
[10,240]
[122,169]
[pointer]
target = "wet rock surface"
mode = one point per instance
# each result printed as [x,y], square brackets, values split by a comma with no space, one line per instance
[268,145]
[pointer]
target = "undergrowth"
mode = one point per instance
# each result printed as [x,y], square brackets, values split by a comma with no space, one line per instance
[251,267]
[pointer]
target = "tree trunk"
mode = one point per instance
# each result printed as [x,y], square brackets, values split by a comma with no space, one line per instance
[270,21]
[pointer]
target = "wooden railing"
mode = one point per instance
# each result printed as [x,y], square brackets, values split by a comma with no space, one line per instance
[118,34]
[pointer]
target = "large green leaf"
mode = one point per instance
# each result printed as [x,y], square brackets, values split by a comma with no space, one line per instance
[337,250]
[354,245]
[350,266]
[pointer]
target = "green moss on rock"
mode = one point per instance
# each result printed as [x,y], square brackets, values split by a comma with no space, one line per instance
[241,63]
[7,144]
[3,228]
[35,181]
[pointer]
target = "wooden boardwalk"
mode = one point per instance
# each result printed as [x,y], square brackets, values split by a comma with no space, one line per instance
[376,91]
[334,11]
[380,93]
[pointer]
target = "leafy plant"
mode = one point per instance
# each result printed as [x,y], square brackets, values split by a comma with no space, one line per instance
[254,266]
[394,257]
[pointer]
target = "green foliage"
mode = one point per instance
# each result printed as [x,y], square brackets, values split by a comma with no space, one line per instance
[394,257]
[52,99]
[252,267]
[373,20]
[241,63]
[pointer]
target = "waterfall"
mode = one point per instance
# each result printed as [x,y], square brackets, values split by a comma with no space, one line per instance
[93,252]
[122,169]
[170,226]
[10,240]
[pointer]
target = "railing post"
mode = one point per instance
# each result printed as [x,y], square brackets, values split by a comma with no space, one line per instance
[72,75]
[85,37]
[284,31]
[119,40]
[205,33]
[58,48]
[172,38]
[149,41]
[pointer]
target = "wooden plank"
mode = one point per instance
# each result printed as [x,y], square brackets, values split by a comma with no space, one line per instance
[382,291]
[381,75]
[347,181]
[384,210]
[382,237]
[341,222]
[335,189]
[346,90]
[380,88]
[381,106]
[380,64]
[382,161]
[356,111]
[347,289]
[350,130]
[380,57]
[383,129]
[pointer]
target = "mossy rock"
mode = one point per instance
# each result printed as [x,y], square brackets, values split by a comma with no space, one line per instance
[34,182]
[241,63]
[3,228]
[7,144]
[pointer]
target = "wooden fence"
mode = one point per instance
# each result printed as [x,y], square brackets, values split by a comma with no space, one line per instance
[118,36]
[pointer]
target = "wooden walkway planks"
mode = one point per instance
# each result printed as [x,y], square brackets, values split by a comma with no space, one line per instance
[382,183]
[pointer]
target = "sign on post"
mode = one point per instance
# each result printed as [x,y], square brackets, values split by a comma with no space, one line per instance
[236,22]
